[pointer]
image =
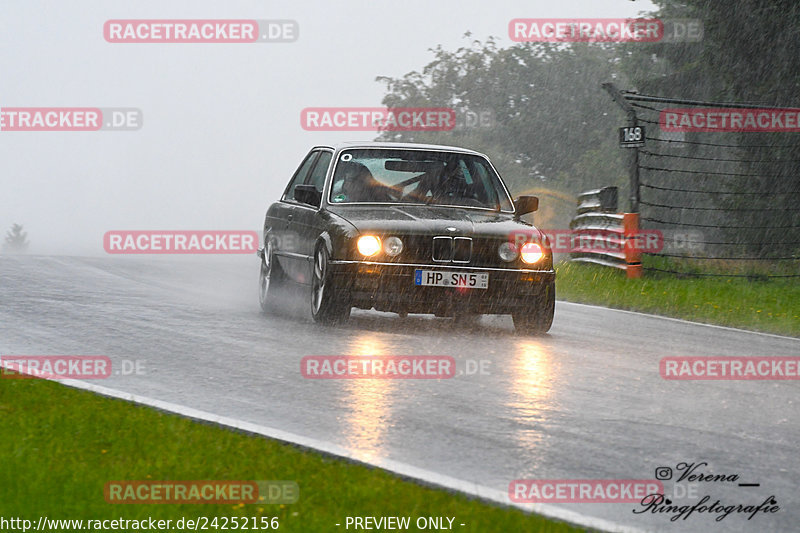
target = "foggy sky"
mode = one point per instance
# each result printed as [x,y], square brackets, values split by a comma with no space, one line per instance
[221,134]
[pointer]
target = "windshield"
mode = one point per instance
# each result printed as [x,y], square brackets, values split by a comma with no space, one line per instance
[417,177]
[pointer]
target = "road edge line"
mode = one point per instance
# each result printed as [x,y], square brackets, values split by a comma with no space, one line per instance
[729,328]
[396,467]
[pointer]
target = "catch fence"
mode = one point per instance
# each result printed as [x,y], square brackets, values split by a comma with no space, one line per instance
[726,202]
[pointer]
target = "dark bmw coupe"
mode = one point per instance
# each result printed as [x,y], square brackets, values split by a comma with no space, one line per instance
[407,228]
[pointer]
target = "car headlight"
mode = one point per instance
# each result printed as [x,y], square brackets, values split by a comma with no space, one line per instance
[531,253]
[369,245]
[507,252]
[393,246]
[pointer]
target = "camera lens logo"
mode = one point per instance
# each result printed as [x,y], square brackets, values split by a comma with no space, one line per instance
[663,473]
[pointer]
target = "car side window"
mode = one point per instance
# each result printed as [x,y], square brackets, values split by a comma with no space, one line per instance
[317,178]
[300,176]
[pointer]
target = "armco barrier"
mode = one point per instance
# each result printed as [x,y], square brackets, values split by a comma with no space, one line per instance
[604,236]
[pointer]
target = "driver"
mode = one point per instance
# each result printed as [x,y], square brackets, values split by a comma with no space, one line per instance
[361,186]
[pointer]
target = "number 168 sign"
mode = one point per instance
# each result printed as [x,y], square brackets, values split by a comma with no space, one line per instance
[631,136]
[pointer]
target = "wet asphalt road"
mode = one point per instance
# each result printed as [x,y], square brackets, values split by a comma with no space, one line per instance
[583,402]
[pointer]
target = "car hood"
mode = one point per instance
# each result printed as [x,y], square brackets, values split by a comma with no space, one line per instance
[434,220]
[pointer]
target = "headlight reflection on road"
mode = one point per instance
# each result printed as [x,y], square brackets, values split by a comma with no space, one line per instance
[531,392]
[370,403]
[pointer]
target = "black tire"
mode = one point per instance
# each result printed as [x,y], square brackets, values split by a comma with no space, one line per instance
[325,307]
[270,280]
[538,318]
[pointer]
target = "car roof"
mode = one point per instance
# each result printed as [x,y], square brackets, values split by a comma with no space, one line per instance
[397,145]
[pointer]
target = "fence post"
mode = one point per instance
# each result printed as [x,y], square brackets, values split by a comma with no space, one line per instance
[633,165]
[633,251]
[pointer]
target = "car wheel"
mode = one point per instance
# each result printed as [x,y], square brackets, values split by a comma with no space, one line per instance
[270,280]
[539,318]
[325,308]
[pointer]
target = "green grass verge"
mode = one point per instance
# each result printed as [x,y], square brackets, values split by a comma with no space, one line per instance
[760,305]
[60,446]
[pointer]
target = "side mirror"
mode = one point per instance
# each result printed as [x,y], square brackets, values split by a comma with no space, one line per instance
[308,194]
[525,204]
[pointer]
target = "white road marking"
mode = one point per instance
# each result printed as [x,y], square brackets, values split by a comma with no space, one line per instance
[680,320]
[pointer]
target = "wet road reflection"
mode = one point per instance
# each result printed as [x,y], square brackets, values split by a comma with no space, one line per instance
[532,397]
[369,402]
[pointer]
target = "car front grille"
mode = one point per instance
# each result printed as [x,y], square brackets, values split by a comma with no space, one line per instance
[452,249]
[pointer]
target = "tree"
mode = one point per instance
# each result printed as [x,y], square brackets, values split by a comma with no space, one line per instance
[750,53]
[16,240]
[549,111]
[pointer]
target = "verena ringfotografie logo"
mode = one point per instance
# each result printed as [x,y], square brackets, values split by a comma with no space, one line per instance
[70,119]
[55,366]
[730,368]
[378,367]
[378,119]
[201,31]
[201,492]
[180,242]
[694,477]
[565,241]
[582,490]
[729,119]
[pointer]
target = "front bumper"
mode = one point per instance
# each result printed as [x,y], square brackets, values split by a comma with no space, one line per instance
[390,287]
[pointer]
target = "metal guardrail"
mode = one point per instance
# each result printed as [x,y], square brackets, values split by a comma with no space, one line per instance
[598,200]
[603,236]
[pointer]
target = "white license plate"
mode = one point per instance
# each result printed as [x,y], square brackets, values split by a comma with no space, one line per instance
[443,278]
